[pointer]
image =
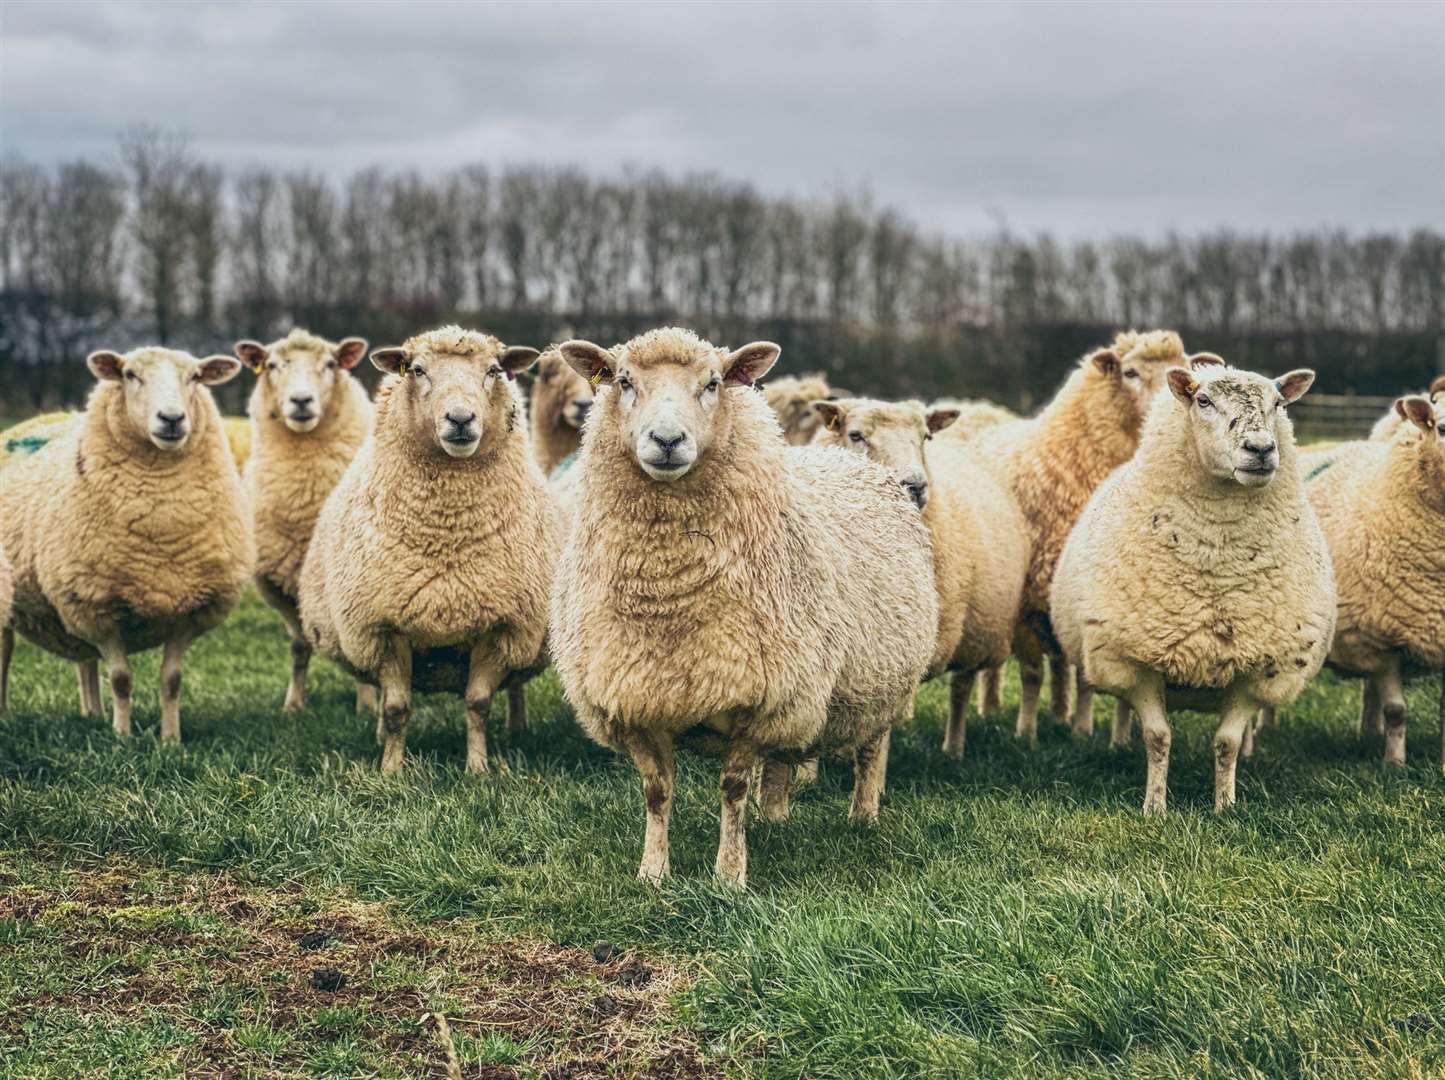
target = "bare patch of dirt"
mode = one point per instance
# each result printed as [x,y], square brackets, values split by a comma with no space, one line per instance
[194,947]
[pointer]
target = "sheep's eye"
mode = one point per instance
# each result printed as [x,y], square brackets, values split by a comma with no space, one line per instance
[131,376]
[927,437]
[856,436]
[495,369]
[624,383]
[1131,374]
[712,385]
[1203,402]
[331,365]
[417,369]
[271,365]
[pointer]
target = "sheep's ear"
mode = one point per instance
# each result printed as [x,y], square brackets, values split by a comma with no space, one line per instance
[394,361]
[1182,384]
[747,365]
[251,353]
[349,353]
[592,362]
[1106,360]
[1205,359]
[106,366]
[938,419]
[1292,387]
[1438,386]
[831,413]
[215,370]
[1418,411]
[518,358]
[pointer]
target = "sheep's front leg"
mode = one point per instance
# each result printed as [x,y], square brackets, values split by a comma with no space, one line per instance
[1372,714]
[483,678]
[517,707]
[296,688]
[870,768]
[395,679]
[175,651]
[774,789]
[368,703]
[806,774]
[1237,719]
[652,754]
[1122,732]
[1391,693]
[732,848]
[1148,701]
[1031,684]
[960,690]
[990,691]
[1083,722]
[1060,675]
[90,701]
[1246,744]
[7,650]
[1442,719]
[117,665]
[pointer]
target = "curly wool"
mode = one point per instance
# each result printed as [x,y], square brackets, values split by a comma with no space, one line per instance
[104,529]
[445,552]
[1205,582]
[782,596]
[289,474]
[1382,508]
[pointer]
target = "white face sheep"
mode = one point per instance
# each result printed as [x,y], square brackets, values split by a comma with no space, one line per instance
[129,530]
[699,592]
[298,376]
[1198,571]
[558,406]
[792,398]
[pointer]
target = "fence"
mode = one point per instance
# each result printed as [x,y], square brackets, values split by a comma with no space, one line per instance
[1338,416]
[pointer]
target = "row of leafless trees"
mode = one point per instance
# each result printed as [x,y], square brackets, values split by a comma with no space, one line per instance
[160,244]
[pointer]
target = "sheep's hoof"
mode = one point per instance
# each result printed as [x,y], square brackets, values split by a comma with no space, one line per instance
[733,878]
[1156,809]
[653,875]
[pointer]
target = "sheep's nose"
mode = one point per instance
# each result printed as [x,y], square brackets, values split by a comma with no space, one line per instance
[1262,445]
[169,417]
[668,444]
[460,417]
[302,401]
[583,408]
[917,491]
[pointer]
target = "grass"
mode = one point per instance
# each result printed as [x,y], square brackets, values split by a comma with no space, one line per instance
[1010,915]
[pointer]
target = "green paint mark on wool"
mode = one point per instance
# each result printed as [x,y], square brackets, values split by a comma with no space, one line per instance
[26,444]
[1321,467]
[563,465]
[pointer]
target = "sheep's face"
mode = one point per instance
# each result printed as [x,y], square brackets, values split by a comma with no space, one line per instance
[893,435]
[665,394]
[792,401]
[1427,414]
[560,396]
[1135,379]
[457,397]
[1236,418]
[161,389]
[299,375]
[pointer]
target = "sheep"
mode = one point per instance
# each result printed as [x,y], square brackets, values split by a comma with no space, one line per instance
[7,635]
[980,541]
[130,530]
[1051,464]
[559,404]
[1385,427]
[308,419]
[1197,575]
[1382,508]
[973,416]
[769,603]
[791,398]
[431,560]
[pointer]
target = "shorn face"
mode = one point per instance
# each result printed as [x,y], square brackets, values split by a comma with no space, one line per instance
[299,374]
[893,435]
[162,389]
[664,390]
[1234,418]
[454,387]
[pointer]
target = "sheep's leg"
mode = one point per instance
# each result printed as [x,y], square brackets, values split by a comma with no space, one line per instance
[88,672]
[517,707]
[117,665]
[368,703]
[483,678]
[806,774]
[1238,718]
[1372,715]
[1123,731]
[990,691]
[1083,723]
[296,688]
[1246,742]
[1391,694]
[1148,701]
[870,768]
[732,848]
[7,650]
[653,756]
[1442,719]
[1031,683]
[395,678]
[960,690]
[773,790]
[1059,679]
[175,651]
[1268,717]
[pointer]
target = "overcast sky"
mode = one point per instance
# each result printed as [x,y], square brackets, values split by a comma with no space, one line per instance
[1080,118]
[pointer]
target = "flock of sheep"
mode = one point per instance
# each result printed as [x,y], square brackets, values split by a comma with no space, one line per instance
[767,576]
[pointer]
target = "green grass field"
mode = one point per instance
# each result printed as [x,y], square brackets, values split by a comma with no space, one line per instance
[1013,914]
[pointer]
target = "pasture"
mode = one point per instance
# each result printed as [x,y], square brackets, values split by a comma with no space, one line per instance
[190,910]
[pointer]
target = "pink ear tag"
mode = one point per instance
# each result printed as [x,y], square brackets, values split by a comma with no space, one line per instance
[511,376]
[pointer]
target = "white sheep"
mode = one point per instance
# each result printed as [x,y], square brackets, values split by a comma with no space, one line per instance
[717,586]
[431,560]
[130,530]
[980,540]
[791,398]
[1385,427]
[308,419]
[559,402]
[1197,575]
[1382,508]
[7,635]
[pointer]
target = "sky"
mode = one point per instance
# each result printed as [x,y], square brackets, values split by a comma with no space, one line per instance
[1083,119]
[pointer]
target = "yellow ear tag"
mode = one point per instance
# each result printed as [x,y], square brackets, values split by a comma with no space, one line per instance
[258,367]
[597,378]
[1193,385]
